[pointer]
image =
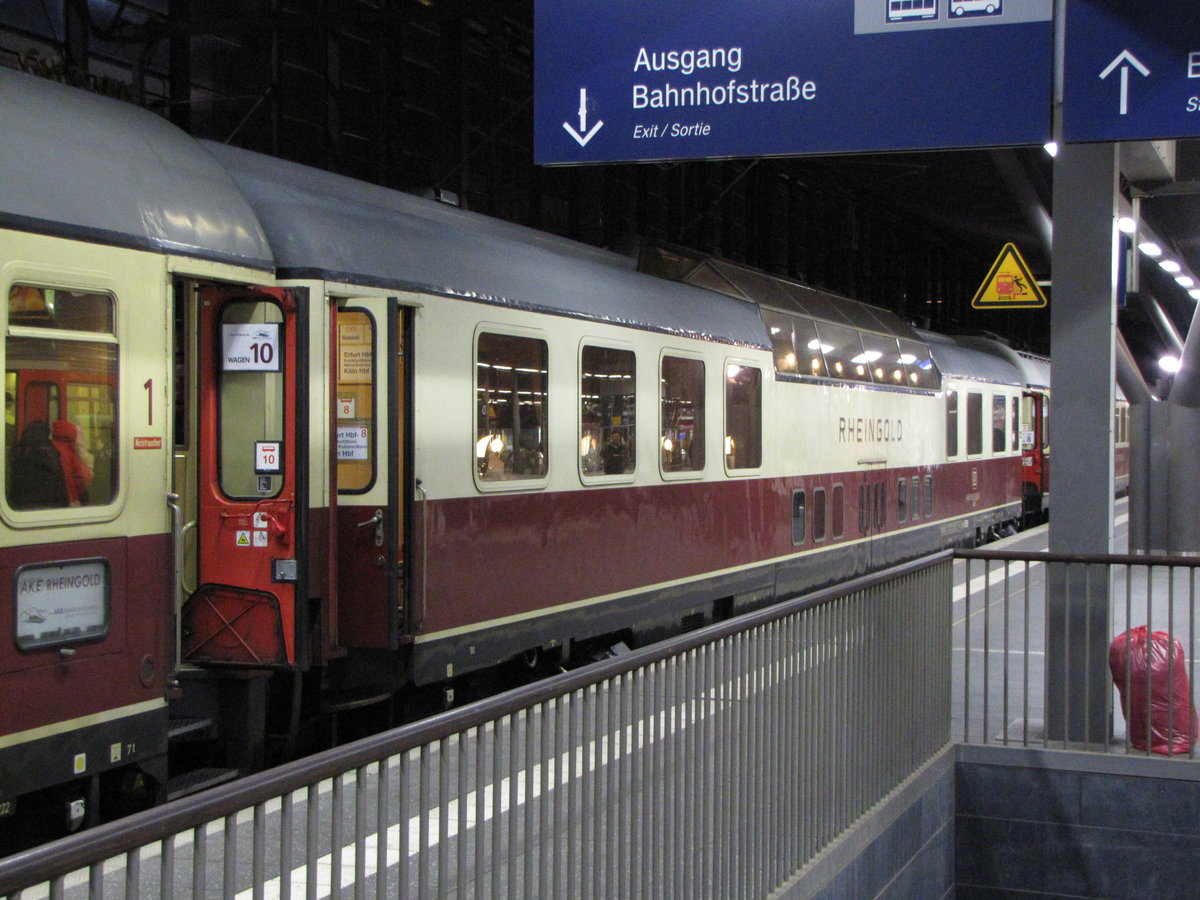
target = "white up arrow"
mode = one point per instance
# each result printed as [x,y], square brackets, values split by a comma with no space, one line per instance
[1125,59]
[583,135]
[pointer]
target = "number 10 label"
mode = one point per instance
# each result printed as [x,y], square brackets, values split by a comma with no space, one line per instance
[250,348]
[267,458]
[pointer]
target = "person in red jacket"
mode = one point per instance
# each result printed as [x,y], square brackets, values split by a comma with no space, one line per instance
[76,473]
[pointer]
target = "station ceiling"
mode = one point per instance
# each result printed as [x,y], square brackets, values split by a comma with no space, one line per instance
[421,93]
[996,196]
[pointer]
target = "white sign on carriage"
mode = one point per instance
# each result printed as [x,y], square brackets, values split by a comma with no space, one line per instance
[61,603]
[250,348]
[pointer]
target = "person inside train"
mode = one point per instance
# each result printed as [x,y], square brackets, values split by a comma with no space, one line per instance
[77,474]
[37,474]
[613,454]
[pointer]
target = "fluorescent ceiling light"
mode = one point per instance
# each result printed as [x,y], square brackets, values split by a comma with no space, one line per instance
[1169,265]
[1150,248]
[1127,225]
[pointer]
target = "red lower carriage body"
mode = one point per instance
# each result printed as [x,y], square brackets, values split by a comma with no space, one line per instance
[82,676]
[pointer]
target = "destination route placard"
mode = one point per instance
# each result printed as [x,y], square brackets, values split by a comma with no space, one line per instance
[1131,70]
[618,80]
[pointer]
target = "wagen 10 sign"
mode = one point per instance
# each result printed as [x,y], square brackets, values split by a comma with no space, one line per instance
[676,79]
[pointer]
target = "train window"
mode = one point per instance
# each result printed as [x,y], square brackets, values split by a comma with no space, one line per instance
[818,523]
[808,348]
[881,355]
[782,341]
[60,392]
[1014,429]
[974,423]
[797,518]
[916,498]
[920,370]
[356,420]
[951,424]
[843,352]
[607,392]
[902,500]
[864,516]
[743,416]
[837,511]
[1028,421]
[250,407]
[42,307]
[682,414]
[1045,423]
[999,423]
[510,434]
[928,496]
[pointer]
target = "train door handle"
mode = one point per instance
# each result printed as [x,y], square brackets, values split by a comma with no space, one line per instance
[377,521]
[267,520]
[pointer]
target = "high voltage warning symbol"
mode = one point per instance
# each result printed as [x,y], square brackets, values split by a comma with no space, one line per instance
[1009,285]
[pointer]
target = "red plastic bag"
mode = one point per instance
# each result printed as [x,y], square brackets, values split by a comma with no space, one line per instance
[1173,724]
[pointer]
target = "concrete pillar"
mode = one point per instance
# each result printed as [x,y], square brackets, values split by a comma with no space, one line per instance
[1083,328]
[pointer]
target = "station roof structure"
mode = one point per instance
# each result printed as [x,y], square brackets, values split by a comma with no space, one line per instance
[437,94]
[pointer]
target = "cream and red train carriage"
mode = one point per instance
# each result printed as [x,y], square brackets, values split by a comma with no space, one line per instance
[104,206]
[347,442]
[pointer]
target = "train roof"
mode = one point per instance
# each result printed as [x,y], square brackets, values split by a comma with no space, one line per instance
[328,226]
[972,357]
[83,166]
[1036,370]
[769,290]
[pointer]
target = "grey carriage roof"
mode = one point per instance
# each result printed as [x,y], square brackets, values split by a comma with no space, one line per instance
[324,225]
[770,291]
[79,165]
[1036,370]
[972,357]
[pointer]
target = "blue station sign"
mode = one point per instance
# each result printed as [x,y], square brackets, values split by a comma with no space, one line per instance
[1131,70]
[626,80]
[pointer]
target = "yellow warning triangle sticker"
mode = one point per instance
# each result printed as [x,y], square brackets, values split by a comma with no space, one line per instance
[1009,285]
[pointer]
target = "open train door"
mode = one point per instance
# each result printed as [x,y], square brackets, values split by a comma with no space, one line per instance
[373,436]
[244,609]
[1035,455]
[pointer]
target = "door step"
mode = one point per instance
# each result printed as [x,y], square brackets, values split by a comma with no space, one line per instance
[188,728]
[198,780]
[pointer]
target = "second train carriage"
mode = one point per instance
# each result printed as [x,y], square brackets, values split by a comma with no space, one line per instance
[506,362]
[345,441]
[1035,430]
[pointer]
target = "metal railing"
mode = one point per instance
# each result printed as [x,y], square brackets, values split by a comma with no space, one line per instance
[717,764]
[1025,623]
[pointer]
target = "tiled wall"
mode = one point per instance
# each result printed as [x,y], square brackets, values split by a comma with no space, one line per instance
[994,823]
[1038,829]
[903,850]
[913,859]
